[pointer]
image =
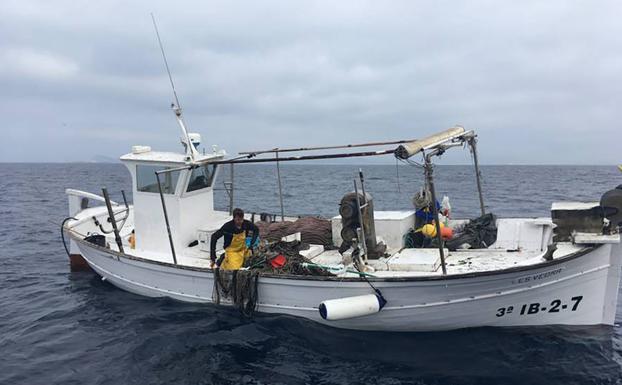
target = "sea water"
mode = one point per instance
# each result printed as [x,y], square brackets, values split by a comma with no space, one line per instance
[59,327]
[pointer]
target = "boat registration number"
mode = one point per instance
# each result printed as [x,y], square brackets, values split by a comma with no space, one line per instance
[555,306]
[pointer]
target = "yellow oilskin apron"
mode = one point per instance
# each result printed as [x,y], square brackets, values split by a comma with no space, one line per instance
[236,252]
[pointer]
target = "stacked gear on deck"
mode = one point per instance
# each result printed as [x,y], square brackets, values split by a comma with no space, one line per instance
[315,231]
[282,258]
[478,233]
[425,236]
[424,232]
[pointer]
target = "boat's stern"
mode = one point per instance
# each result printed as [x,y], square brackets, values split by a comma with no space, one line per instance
[611,203]
[91,222]
[613,284]
[595,223]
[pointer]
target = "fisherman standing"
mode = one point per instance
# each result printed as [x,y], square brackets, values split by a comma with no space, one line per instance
[236,249]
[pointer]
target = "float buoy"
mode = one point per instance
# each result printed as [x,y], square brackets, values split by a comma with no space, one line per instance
[278,262]
[351,307]
[447,233]
[429,230]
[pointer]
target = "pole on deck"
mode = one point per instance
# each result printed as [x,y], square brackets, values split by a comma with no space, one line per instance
[359,209]
[168,227]
[473,144]
[439,237]
[231,191]
[278,173]
[113,220]
[362,179]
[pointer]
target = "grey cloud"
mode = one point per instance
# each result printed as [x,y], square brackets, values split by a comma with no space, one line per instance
[538,80]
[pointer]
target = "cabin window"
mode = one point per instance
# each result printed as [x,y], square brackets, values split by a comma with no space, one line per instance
[146,179]
[201,177]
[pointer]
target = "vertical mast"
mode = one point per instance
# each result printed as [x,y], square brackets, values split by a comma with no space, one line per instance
[473,143]
[429,169]
[278,175]
[190,150]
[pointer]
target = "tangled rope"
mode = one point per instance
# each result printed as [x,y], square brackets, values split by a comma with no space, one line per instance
[422,198]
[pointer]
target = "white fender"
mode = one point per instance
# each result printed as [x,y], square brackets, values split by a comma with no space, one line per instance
[350,307]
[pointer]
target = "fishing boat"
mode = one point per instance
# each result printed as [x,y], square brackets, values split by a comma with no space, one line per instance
[558,270]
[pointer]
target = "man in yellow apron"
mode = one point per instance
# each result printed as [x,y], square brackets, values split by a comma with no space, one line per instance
[235,233]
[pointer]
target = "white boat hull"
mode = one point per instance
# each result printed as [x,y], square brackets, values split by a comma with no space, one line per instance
[579,289]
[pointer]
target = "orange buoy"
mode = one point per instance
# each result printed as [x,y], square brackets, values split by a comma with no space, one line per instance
[447,232]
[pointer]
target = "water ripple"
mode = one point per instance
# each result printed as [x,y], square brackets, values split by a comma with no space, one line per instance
[58,327]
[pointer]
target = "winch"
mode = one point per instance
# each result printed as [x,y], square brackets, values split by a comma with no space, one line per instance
[351,222]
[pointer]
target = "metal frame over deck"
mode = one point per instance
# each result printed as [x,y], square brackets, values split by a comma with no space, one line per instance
[434,145]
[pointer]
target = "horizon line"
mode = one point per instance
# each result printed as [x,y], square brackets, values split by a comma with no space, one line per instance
[315,163]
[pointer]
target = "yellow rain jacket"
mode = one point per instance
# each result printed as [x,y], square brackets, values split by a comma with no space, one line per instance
[236,250]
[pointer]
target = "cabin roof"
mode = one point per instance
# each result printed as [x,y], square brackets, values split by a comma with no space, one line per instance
[169,157]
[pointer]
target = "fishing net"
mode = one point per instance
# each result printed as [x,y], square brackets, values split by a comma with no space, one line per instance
[238,287]
[315,231]
[262,260]
[478,233]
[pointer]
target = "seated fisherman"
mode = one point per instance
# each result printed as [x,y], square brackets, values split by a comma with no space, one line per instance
[235,233]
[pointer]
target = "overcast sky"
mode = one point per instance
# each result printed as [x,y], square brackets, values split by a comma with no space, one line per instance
[539,81]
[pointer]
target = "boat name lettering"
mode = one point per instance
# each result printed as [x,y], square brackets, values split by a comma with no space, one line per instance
[535,277]
[555,306]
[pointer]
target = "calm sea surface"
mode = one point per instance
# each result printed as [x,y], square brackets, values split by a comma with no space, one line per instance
[58,327]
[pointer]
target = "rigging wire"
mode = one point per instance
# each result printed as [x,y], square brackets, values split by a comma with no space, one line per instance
[363,276]
[397,174]
[413,163]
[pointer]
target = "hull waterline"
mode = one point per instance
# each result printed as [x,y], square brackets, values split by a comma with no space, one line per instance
[578,289]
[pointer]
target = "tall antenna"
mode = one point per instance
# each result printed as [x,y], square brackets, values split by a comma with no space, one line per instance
[191,151]
[165,61]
